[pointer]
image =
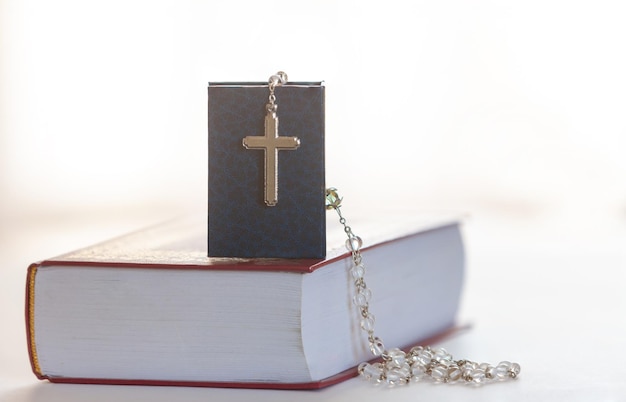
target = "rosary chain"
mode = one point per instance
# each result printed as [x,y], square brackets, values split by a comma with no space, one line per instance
[420,363]
[275,80]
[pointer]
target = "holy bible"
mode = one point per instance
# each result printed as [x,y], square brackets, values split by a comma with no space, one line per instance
[151,308]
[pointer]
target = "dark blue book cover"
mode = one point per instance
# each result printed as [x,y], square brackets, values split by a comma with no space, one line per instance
[242,221]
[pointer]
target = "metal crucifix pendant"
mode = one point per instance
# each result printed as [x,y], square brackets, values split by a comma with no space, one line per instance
[271,143]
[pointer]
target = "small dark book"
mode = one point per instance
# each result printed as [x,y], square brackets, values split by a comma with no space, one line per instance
[266,171]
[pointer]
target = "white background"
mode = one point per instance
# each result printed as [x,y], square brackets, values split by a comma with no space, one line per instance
[512,112]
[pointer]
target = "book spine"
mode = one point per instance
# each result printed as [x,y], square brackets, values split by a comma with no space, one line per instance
[30,320]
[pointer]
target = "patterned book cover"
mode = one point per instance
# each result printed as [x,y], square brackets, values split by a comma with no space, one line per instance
[240,222]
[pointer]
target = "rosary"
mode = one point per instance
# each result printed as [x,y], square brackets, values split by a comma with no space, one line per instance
[396,366]
[420,363]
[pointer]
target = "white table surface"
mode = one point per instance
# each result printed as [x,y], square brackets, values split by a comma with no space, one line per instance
[547,294]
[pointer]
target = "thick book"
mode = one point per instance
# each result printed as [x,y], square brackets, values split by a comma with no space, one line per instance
[245,163]
[151,308]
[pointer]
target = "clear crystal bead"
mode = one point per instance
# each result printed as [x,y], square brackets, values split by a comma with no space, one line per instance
[441,355]
[362,367]
[439,373]
[502,370]
[354,243]
[467,373]
[424,357]
[395,357]
[371,371]
[397,375]
[418,372]
[454,373]
[405,370]
[357,271]
[478,376]
[415,350]
[362,298]
[488,369]
[367,323]
[376,346]
[467,367]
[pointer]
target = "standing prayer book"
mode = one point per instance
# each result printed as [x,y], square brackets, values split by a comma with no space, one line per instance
[151,308]
[266,170]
